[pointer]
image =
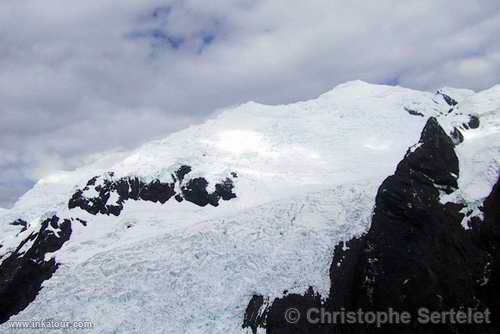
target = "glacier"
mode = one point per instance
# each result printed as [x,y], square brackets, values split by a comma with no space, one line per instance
[307,176]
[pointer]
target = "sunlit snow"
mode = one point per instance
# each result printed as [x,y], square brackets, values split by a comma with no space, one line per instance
[307,175]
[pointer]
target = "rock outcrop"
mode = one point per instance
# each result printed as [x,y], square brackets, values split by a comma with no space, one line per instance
[23,271]
[416,254]
[107,195]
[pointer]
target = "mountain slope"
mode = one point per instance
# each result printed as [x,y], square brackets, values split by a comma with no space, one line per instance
[416,254]
[151,249]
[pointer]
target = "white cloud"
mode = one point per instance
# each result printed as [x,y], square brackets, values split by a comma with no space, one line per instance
[90,76]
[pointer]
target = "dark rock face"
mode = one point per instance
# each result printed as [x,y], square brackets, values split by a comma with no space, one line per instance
[126,188]
[457,136]
[81,221]
[255,314]
[133,188]
[285,315]
[487,235]
[288,314]
[195,191]
[473,122]
[182,171]
[23,271]
[416,254]
[413,112]
[20,222]
[449,100]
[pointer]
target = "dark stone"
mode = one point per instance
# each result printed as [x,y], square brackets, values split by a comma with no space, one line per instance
[225,190]
[282,315]
[156,191]
[91,205]
[457,136]
[23,272]
[487,236]
[473,122]
[20,222]
[81,221]
[92,181]
[413,112]
[195,191]
[416,253]
[134,188]
[434,160]
[450,101]
[286,315]
[182,171]
[343,269]
[255,314]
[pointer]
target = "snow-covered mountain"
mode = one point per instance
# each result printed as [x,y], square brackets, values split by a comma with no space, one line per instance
[179,235]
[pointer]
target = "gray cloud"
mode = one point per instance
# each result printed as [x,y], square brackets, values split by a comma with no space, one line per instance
[91,76]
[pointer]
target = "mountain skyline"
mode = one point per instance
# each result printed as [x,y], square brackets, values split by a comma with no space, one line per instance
[110,75]
[184,234]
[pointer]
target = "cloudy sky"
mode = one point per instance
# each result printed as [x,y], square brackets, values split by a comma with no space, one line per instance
[82,77]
